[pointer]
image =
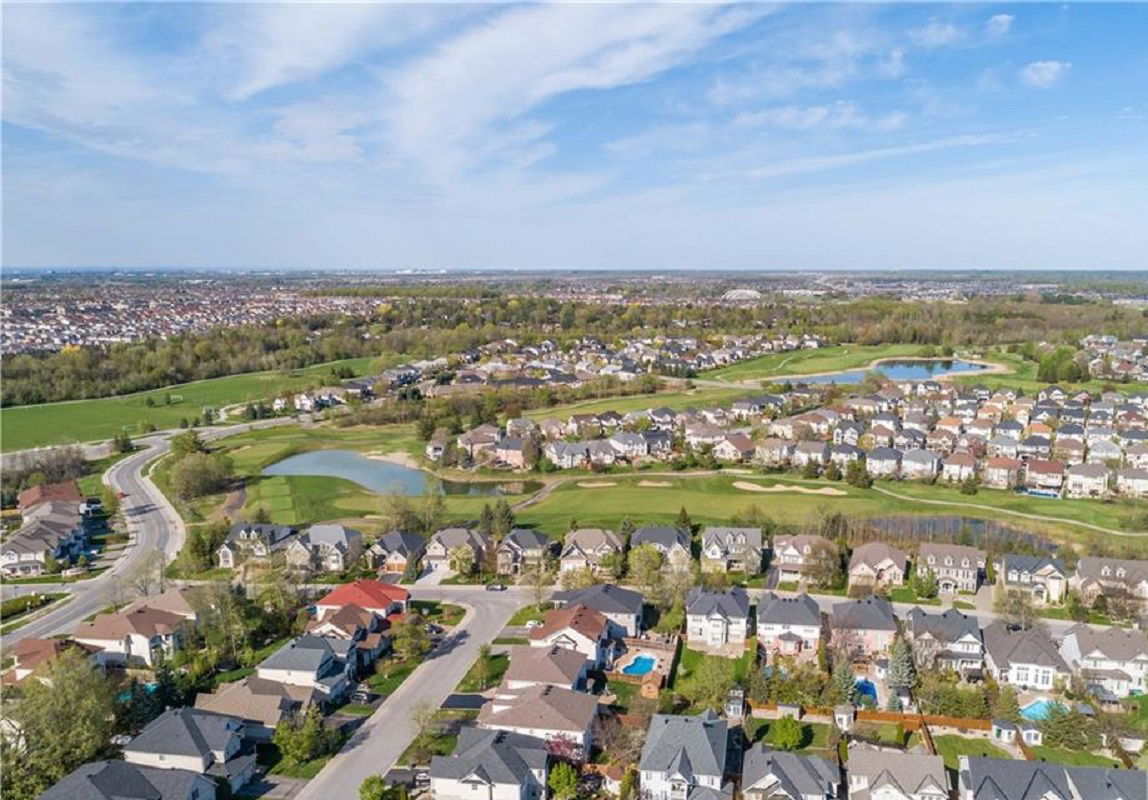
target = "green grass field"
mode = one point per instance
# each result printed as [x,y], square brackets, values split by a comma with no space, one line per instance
[809,362]
[23,427]
[701,396]
[951,748]
[1074,758]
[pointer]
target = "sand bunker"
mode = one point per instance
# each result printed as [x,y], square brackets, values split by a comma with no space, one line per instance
[738,471]
[655,484]
[825,491]
[595,484]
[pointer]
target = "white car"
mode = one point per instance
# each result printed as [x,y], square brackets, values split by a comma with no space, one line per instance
[534,623]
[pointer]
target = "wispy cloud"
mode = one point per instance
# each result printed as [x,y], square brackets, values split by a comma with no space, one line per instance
[936,34]
[840,115]
[1043,74]
[998,25]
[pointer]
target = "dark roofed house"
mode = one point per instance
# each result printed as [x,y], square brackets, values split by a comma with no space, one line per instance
[673,543]
[119,780]
[864,627]
[773,775]
[1025,658]
[255,541]
[522,547]
[490,763]
[684,758]
[195,740]
[394,551]
[621,607]
[732,549]
[717,621]
[983,778]
[789,626]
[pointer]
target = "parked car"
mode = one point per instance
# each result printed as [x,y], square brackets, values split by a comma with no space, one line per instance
[496,587]
[363,697]
[532,624]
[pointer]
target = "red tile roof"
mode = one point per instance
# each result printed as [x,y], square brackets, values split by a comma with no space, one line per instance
[366,593]
[68,491]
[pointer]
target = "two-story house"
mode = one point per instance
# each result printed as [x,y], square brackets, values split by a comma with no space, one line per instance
[621,607]
[253,540]
[684,758]
[949,640]
[877,565]
[957,568]
[491,765]
[717,621]
[140,636]
[585,548]
[394,551]
[863,628]
[879,773]
[324,665]
[672,542]
[1026,659]
[795,556]
[522,547]
[985,778]
[1123,577]
[543,710]
[1112,661]
[789,626]
[198,741]
[1044,578]
[575,627]
[325,548]
[106,780]
[545,666]
[446,542]
[731,549]
[775,775]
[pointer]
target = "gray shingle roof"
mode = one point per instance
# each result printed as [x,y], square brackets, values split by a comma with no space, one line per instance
[948,626]
[187,732]
[500,757]
[1033,646]
[867,613]
[728,603]
[695,743]
[800,610]
[1001,779]
[661,536]
[119,780]
[606,598]
[797,776]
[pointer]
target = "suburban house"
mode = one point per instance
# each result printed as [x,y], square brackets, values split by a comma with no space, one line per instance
[140,636]
[919,463]
[621,607]
[522,547]
[1044,578]
[261,704]
[543,710]
[865,628]
[672,543]
[545,666]
[959,467]
[584,548]
[511,451]
[108,780]
[1086,480]
[64,492]
[731,549]
[1113,577]
[984,778]
[382,599]
[789,626]
[949,640]
[322,664]
[445,542]
[575,627]
[491,765]
[1024,658]
[734,447]
[1002,472]
[211,744]
[717,621]
[956,567]
[1132,482]
[775,775]
[877,564]
[1112,661]
[684,758]
[883,462]
[30,654]
[1044,477]
[479,440]
[879,773]
[175,600]
[394,551]
[325,548]
[52,530]
[253,540]
[794,556]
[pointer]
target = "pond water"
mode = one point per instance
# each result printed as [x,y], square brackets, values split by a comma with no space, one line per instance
[899,369]
[385,477]
[987,534]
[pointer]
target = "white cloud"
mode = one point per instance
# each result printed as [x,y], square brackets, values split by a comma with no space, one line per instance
[841,114]
[451,102]
[936,34]
[998,25]
[1043,74]
[893,65]
[797,166]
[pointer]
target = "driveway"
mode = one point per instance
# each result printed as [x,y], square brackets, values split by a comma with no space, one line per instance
[431,578]
[375,748]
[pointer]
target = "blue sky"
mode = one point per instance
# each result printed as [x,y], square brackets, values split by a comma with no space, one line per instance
[576,135]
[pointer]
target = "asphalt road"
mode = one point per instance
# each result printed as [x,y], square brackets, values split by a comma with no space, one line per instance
[377,745]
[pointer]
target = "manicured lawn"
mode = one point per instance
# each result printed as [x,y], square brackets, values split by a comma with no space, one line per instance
[438,613]
[815,735]
[951,748]
[356,709]
[444,734]
[903,594]
[625,694]
[387,682]
[808,362]
[1057,755]
[701,396]
[788,586]
[531,613]
[21,610]
[496,665]
[691,661]
[269,756]
[1094,618]
[102,418]
[511,640]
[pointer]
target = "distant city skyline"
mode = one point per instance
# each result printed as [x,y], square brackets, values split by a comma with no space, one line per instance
[657,137]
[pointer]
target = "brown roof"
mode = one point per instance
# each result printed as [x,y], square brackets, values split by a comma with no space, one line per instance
[962,460]
[348,619]
[554,664]
[254,699]
[540,708]
[141,621]
[1046,467]
[175,601]
[581,618]
[1003,463]
[68,491]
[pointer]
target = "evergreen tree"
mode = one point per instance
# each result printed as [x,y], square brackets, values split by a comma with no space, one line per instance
[684,521]
[503,518]
[1007,705]
[486,520]
[842,684]
[902,671]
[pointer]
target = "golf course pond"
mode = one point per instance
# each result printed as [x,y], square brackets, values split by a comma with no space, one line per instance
[899,369]
[387,477]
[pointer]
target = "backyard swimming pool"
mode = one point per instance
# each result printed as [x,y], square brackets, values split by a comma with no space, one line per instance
[641,665]
[1037,709]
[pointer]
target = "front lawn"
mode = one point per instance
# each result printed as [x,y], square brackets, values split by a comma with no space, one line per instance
[392,677]
[495,668]
[531,613]
[442,737]
[438,613]
[277,764]
[905,594]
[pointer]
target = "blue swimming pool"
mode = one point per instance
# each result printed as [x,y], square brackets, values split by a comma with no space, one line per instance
[1037,709]
[866,688]
[642,665]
